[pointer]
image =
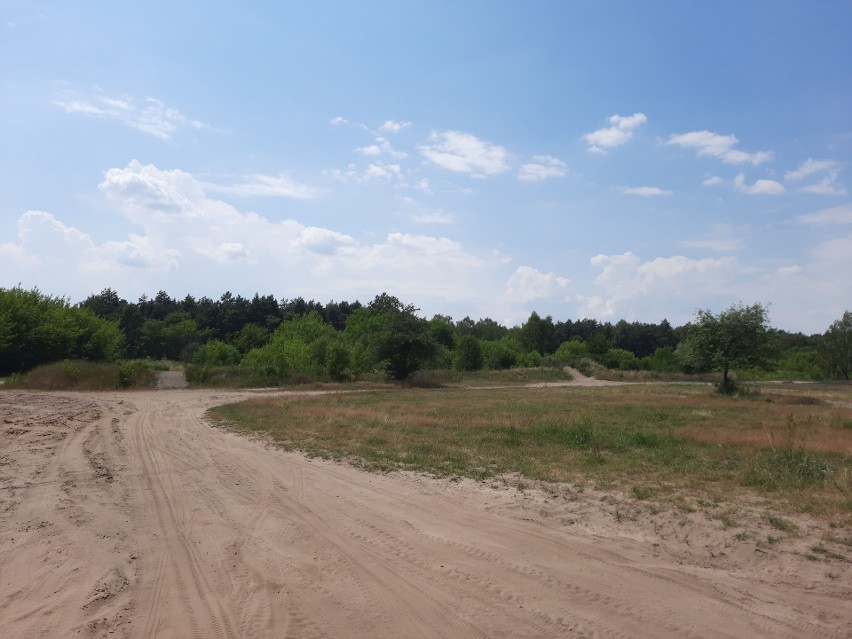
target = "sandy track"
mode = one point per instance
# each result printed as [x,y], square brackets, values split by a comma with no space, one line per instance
[126,515]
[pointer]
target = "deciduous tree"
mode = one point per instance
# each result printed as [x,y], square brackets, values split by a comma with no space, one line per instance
[732,339]
[836,348]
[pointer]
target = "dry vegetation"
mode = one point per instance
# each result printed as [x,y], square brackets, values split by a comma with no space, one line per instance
[789,443]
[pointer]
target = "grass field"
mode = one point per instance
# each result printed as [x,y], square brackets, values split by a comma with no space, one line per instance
[790,443]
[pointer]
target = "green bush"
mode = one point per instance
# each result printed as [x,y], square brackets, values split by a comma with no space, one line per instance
[216,353]
[571,351]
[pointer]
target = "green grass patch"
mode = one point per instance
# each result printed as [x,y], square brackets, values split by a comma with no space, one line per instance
[655,441]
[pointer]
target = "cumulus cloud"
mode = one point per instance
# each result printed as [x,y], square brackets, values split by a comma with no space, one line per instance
[619,133]
[713,180]
[827,168]
[465,153]
[324,241]
[152,116]
[760,187]
[185,231]
[528,283]
[707,143]
[626,278]
[541,168]
[338,121]
[647,191]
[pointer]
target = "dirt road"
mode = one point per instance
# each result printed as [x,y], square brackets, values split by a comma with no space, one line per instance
[126,515]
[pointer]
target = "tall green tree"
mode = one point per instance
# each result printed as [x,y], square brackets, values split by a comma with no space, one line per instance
[398,339]
[734,338]
[836,348]
[38,329]
[539,334]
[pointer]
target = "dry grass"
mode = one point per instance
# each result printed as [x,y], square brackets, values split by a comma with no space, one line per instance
[666,438]
[84,375]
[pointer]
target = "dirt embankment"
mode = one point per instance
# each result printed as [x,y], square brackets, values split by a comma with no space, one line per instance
[126,515]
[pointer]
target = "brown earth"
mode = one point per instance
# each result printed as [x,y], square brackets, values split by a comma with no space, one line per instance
[127,515]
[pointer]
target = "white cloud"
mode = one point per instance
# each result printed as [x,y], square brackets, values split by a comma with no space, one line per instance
[465,153]
[713,180]
[338,121]
[382,145]
[628,281]
[383,171]
[527,284]
[81,106]
[324,241]
[719,146]
[228,253]
[541,168]
[647,191]
[390,126]
[39,225]
[761,187]
[207,246]
[152,117]
[620,132]
[140,252]
[827,186]
[810,166]
[835,215]
[265,185]
[372,149]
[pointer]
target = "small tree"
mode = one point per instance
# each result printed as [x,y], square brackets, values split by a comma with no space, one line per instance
[735,338]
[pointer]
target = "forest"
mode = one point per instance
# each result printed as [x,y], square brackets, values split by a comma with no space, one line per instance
[271,341]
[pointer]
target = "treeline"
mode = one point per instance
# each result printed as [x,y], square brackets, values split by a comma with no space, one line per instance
[275,341]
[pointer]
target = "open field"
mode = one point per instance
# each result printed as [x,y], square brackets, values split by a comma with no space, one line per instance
[790,443]
[124,514]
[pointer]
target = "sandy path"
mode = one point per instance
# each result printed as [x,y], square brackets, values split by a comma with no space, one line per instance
[125,515]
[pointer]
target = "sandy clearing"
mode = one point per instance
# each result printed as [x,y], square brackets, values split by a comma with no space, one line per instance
[126,515]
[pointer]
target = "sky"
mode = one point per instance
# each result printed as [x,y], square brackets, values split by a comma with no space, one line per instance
[608,160]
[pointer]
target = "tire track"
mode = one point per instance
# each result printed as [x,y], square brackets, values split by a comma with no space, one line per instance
[223,536]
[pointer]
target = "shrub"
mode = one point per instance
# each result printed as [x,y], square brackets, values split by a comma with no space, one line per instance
[216,353]
[571,351]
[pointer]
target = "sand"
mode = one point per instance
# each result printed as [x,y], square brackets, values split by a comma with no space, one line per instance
[127,515]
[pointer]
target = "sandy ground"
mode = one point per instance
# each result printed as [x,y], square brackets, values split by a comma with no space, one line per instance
[126,515]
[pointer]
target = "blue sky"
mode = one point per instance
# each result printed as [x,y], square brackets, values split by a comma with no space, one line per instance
[615,160]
